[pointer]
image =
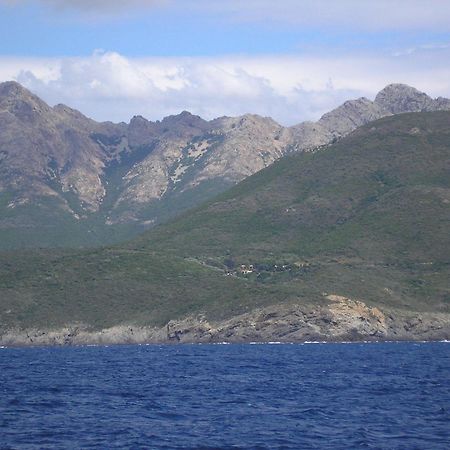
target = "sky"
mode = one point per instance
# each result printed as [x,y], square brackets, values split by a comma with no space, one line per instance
[292,60]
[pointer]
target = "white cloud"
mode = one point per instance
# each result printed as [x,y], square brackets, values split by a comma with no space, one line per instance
[108,86]
[422,48]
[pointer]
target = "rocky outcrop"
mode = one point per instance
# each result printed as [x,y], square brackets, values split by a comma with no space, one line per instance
[351,115]
[243,146]
[341,319]
[400,98]
[393,99]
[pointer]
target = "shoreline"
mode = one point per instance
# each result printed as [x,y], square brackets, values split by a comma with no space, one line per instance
[343,320]
[184,344]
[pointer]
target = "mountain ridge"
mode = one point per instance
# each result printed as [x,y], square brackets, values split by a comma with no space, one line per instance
[104,182]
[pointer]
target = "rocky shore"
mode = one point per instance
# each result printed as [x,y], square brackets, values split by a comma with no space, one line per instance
[343,319]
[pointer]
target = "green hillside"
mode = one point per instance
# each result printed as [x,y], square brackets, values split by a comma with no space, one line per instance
[370,214]
[380,193]
[367,218]
[44,223]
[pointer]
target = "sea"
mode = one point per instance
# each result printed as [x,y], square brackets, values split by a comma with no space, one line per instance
[260,396]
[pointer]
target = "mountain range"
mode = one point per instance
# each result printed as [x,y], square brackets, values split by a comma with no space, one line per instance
[346,242]
[67,180]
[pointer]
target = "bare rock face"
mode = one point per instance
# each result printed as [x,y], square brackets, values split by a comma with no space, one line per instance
[442,104]
[149,179]
[190,151]
[309,136]
[49,147]
[342,319]
[400,98]
[145,172]
[351,115]
[245,145]
[393,99]
[141,132]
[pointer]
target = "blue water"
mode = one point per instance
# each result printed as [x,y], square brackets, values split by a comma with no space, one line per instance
[325,396]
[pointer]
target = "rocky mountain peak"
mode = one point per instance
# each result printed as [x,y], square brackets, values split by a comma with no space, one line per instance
[183,125]
[141,131]
[20,102]
[12,92]
[248,122]
[186,115]
[185,118]
[138,120]
[399,98]
[13,89]
[252,119]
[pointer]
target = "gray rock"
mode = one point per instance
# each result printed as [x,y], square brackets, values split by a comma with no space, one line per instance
[342,319]
[400,98]
[351,115]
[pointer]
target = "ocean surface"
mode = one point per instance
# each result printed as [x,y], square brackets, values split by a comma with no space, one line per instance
[324,396]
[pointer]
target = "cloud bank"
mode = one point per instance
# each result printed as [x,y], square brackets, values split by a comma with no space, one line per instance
[109,86]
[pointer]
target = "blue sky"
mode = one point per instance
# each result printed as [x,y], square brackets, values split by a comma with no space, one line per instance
[158,32]
[36,28]
[292,59]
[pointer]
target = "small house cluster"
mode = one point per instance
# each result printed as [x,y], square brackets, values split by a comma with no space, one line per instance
[246,269]
[258,269]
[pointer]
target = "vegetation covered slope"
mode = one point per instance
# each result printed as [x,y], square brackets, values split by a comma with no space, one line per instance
[370,214]
[366,218]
